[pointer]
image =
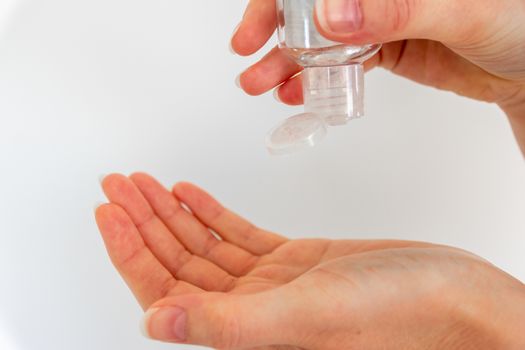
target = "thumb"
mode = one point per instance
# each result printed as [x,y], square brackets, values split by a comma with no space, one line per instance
[225,321]
[371,21]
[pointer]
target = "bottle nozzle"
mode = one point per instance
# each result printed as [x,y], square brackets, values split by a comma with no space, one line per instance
[332,96]
[334,93]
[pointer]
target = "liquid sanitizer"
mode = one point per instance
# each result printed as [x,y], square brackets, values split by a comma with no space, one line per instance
[333,78]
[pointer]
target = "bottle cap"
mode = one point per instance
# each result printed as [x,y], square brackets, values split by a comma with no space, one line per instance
[332,97]
[296,133]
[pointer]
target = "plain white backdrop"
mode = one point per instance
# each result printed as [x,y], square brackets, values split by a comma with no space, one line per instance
[93,87]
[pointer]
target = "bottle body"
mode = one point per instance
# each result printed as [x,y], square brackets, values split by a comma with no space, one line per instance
[300,39]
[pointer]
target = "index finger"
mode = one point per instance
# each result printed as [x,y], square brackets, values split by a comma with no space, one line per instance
[257,26]
[147,278]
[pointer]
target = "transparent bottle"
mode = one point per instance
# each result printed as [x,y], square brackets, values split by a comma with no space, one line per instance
[333,78]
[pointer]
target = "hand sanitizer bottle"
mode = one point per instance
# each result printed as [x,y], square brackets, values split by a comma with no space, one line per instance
[333,78]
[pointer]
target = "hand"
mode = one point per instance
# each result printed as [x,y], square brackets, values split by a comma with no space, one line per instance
[209,277]
[476,49]
[473,48]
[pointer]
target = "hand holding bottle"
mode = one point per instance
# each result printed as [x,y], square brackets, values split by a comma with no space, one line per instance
[209,277]
[475,49]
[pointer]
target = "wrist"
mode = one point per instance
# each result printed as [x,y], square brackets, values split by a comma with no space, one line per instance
[492,319]
[484,309]
[510,322]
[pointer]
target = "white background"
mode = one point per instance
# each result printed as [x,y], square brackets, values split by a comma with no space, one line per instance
[93,87]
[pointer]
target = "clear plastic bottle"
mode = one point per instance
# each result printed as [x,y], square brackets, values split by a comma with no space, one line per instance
[333,78]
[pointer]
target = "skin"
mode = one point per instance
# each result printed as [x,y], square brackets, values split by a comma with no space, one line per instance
[242,287]
[209,277]
[472,48]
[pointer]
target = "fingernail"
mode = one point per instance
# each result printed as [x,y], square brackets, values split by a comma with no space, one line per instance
[339,16]
[166,324]
[276,95]
[101,178]
[144,322]
[231,40]
[238,81]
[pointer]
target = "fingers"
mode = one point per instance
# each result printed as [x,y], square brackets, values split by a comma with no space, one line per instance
[270,71]
[190,231]
[163,244]
[424,61]
[369,21]
[145,275]
[434,64]
[291,91]
[228,225]
[228,321]
[257,26]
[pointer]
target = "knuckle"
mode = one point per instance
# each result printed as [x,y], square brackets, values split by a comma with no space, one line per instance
[400,13]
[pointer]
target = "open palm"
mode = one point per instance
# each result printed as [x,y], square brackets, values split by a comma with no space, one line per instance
[172,243]
[246,288]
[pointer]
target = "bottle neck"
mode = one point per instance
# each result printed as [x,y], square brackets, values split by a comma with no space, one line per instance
[334,93]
